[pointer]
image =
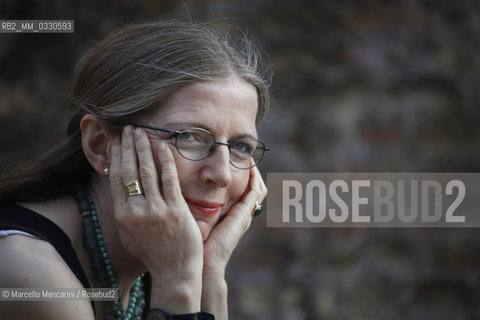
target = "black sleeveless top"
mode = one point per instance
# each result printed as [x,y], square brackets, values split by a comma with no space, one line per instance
[13,216]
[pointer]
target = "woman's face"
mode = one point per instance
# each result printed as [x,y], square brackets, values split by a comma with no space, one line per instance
[227,108]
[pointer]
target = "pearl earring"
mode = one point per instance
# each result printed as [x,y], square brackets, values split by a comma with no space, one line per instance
[106,171]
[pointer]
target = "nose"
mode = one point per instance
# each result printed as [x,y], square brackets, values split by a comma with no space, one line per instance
[217,168]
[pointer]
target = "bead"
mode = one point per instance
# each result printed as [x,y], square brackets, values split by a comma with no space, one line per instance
[96,258]
[83,206]
[88,234]
[101,264]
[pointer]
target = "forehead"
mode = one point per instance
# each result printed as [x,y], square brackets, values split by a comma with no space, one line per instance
[228,106]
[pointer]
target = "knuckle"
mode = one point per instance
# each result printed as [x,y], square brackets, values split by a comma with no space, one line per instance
[115,177]
[142,146]
[155,208]
[166,158]
[147,171]
[128,170]
[121,221]
[136,219]
[114,172]
[174,199]
[169,179]
[175,219]
[166,162]
[135,216]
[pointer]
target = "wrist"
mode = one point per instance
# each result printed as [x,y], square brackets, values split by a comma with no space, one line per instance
[177,295]
[215,295]
[214,269]
[214,289]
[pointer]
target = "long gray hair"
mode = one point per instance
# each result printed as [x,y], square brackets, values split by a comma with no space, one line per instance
[122,78]
[138,66]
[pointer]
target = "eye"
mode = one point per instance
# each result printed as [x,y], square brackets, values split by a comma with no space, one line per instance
[192,137]
[186,136]
[243,147]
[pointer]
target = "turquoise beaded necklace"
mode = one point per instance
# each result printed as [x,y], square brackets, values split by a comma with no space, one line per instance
[99,259]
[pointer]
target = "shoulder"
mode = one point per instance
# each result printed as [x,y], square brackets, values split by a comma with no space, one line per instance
[28,262]
[35,260]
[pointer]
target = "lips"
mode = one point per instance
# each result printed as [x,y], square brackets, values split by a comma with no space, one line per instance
[204,207]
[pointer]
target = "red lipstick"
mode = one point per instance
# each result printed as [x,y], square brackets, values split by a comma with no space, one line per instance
[207,208]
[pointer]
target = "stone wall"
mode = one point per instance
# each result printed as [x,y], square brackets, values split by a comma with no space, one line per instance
[365,85]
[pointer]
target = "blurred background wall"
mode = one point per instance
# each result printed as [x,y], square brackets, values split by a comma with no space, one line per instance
[365,85]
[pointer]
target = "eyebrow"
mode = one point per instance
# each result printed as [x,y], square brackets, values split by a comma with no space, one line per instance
[184,125]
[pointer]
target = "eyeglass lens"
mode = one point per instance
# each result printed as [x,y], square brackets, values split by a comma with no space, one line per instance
[197,144]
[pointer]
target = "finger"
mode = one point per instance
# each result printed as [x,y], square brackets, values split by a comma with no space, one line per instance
[251,196]
[262,189]
[129,157]
[115,174]
[242,212]
[256,182]
[147,170]
[130,164]
[256,193]
[169,175]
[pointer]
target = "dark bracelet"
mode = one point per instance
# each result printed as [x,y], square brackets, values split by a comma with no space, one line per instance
[159,314]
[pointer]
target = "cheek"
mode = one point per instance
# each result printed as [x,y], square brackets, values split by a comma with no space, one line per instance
[239,185]
[185,170]
[188,177]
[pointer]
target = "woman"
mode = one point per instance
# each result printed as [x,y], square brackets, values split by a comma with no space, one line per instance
[158,176]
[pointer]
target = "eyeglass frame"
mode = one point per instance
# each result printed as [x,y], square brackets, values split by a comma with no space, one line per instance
[215,142]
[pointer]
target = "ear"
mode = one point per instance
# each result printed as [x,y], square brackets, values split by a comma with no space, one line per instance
[96,142]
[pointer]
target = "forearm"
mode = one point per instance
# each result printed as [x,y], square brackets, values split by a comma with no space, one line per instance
[215,294]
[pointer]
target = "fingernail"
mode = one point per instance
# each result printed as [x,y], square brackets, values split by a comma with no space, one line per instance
[127,131]
[161,146]
[138,132]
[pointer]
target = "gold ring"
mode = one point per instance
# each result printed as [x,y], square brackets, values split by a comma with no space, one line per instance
[257,209]
[133,188]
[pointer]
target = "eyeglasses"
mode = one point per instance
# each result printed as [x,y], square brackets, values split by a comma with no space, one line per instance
[196,144]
